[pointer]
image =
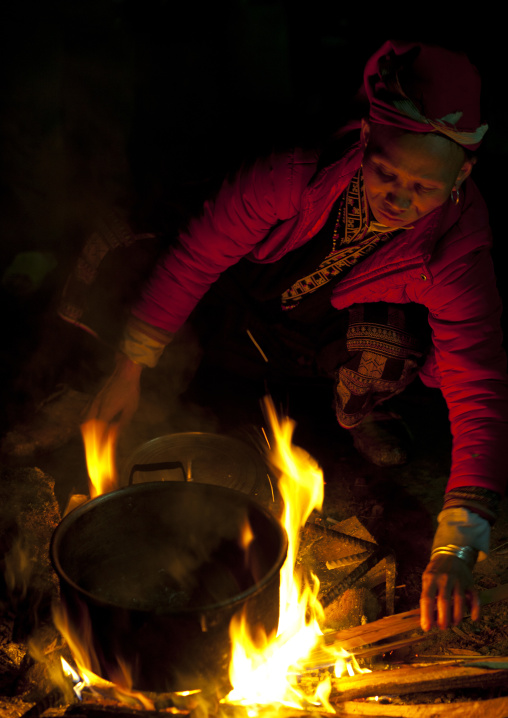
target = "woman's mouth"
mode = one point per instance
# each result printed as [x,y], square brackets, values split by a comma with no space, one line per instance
[391,216]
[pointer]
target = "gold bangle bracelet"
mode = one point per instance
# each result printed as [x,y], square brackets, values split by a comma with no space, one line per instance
[466,553]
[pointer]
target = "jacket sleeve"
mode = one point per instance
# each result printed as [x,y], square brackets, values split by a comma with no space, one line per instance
[246,208]
[465,318]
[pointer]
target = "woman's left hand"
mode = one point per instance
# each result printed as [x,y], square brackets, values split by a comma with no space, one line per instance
[447,581]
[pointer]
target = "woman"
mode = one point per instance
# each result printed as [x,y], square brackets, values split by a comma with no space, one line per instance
[393,221]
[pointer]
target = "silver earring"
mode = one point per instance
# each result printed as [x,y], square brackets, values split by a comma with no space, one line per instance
[455,199]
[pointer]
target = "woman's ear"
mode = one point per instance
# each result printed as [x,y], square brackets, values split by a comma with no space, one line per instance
[465,171]
[365,133]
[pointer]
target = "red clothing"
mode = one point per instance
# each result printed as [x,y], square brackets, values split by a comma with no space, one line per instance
[419,88]
[443,263]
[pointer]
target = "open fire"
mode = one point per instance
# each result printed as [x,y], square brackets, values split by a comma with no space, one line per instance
[265,668]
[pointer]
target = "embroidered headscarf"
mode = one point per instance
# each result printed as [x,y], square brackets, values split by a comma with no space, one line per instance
[425,88]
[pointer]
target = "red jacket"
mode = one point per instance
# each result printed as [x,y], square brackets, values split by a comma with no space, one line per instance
[444,263]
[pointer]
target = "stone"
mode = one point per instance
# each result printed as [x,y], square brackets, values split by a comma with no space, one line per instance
[30,514]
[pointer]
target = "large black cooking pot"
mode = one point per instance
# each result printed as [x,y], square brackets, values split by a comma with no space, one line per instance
[158,572]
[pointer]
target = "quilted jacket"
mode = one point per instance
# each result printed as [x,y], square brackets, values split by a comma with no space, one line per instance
[443,262]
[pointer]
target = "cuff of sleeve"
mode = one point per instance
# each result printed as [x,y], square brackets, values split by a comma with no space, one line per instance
[477,499]
[144,344]
[461,527]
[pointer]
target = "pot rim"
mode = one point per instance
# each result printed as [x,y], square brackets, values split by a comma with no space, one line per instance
[60,532]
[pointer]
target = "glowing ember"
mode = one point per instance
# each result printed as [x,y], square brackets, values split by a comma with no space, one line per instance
[264,669]
[100,442]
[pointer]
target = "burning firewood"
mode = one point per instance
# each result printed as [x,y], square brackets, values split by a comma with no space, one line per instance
[493,708]
[409,679]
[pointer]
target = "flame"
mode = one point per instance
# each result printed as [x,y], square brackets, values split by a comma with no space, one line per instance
[264,670]
[100,442]
[78,682]
[83,677]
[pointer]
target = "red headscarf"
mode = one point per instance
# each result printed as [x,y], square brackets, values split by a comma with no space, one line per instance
[422,88]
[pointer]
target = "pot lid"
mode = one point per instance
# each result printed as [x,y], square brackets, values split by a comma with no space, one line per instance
[203,458]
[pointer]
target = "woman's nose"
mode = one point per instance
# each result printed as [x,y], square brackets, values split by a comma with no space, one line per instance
[400,198]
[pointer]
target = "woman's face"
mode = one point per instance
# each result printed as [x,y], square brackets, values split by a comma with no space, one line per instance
[409,174]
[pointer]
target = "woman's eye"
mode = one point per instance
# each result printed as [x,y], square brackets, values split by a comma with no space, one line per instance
[387,176]
[422,190]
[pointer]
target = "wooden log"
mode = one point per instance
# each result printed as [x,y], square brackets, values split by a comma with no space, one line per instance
[402,681]
[491,708]
[351,638]
[370,633]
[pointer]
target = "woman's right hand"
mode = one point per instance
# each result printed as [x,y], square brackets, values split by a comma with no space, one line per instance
[448,593]
[118,399]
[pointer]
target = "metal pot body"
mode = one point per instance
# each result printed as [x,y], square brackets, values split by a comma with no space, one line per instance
[155,572]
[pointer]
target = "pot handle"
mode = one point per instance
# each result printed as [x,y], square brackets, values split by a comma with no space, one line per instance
[157,467]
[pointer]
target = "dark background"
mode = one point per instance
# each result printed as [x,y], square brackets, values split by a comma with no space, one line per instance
[143,106]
